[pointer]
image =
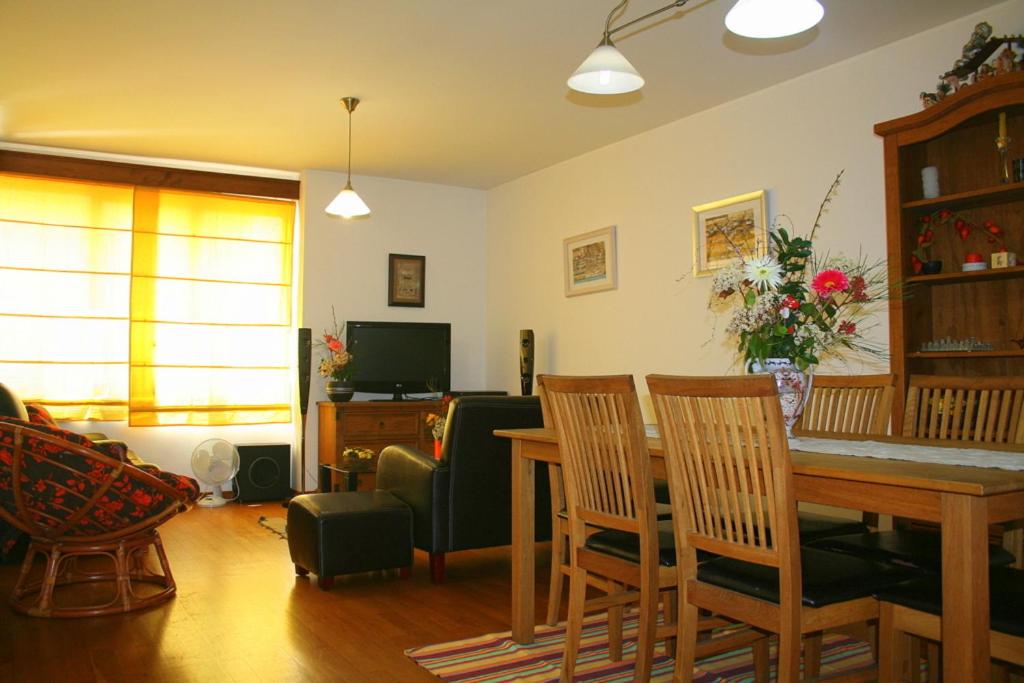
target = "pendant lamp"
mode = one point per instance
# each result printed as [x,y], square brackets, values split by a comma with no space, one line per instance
[348,204]
[607,72]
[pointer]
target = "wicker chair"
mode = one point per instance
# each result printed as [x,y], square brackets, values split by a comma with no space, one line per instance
[78,504]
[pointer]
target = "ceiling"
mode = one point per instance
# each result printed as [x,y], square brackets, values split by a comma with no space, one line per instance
[459,92]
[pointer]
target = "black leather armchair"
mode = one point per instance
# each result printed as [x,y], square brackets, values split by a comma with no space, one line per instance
[464,500]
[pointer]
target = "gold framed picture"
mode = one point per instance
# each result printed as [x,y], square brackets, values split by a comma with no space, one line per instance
[590,262]
[406,280]
[725,230]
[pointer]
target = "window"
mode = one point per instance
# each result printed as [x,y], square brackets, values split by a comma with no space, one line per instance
[163,306]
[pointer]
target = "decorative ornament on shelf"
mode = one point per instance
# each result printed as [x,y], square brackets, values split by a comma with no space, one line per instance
[436,422]
[921,258]
[337,364]
[792,308]
[977,62]
[358,455]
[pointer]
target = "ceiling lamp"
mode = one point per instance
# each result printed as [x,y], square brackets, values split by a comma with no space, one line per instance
[773,18]
[348,204]
[607,72]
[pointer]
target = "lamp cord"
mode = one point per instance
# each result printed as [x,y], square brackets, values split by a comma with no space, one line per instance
[608,31]
[349,146]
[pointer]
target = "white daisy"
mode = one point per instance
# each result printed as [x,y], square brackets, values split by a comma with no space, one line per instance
[764,272]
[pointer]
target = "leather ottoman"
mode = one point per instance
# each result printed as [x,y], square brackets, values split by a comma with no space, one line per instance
[345,533]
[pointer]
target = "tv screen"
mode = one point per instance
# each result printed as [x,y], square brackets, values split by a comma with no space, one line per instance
[400,358]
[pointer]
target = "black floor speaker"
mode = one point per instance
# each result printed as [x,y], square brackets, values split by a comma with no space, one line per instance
[264,472]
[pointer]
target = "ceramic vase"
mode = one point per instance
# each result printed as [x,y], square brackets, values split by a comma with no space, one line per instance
[339,390]
[794,387]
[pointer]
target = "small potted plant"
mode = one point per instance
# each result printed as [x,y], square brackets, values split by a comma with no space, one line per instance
[336,364]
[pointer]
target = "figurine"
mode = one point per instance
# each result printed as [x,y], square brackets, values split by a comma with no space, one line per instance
[928,99]
[982,32]
[1004,62]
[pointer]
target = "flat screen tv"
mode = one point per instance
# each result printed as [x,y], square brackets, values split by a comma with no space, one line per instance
[400,358]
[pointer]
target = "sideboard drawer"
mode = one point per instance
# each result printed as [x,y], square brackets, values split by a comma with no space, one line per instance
[356,424]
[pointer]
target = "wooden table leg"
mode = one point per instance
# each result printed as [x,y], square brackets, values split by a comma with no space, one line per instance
[965,592]
[523,551]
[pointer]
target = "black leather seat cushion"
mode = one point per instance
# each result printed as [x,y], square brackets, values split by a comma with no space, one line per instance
[345,533]
[827,577]
[626,546]
[814,526]
[918,549]
[1006,590]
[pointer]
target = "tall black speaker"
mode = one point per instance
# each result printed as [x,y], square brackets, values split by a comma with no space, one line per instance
[526,361]
[305,361]
[264,472]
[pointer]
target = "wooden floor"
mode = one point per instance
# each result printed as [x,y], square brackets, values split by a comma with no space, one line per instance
[241,614]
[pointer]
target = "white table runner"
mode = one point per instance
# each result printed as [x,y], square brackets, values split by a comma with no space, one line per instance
[968,457]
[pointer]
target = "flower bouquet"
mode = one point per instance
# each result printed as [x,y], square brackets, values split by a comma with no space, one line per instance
[436,422]
[793,308]
[337,363]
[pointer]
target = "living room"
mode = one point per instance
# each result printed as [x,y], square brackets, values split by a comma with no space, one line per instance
[492,240]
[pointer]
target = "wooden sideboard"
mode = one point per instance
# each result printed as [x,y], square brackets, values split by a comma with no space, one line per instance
[373,425]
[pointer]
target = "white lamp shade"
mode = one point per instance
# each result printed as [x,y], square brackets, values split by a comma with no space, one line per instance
[348,204]
[773,18]
[606,72]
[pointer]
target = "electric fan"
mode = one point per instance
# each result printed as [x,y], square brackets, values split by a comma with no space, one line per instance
[215,462]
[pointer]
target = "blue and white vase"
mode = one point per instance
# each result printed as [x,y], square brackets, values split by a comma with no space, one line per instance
[794,387]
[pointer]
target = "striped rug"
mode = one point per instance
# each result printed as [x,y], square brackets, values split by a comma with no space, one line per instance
[496,657]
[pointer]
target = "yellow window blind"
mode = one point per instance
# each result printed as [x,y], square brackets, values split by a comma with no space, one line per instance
[210,309]
[65,259]
[164,307]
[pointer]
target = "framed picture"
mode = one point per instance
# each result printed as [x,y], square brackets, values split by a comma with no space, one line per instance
[726,229]
[406,280]
[590,262]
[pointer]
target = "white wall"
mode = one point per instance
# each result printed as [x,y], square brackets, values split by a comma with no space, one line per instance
[790,140]
[346,265]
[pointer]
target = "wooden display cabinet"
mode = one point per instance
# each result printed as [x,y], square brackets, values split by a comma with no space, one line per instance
[373,425]
[957,136]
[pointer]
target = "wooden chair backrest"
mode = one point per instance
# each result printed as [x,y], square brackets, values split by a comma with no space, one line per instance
[730,477]
[606,466]
[848,404]
[978,409]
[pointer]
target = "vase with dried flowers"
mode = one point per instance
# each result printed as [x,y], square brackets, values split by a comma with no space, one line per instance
[792,308]
[337,362]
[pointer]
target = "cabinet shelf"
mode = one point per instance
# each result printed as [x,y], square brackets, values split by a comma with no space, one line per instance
[1007,353]
[970,276]
[981,197]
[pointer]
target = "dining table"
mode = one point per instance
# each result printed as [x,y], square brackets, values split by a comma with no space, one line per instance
[963,500]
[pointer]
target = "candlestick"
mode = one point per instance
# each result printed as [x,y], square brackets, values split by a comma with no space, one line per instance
[1003,147]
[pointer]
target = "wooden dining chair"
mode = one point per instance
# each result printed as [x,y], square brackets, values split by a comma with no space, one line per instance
[915,608]
[970,411]
[978,409]
[731,485]
[560,565]
[848,404]
[606,469]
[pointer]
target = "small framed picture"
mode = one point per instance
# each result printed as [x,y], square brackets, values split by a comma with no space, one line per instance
[406,280]
[725,230]
[590,262]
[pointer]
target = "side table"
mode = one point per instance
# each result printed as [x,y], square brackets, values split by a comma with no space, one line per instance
[349,469]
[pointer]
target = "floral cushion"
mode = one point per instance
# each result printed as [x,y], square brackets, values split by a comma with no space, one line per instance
[39,415]
[56,482]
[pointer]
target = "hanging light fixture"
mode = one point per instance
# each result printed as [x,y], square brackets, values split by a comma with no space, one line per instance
[773,18]
[607,72]
[348,204]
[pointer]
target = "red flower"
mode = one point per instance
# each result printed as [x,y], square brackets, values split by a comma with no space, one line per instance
[916,264]
[791,302]
[926,219]
[858,289]
[828,282]
[847,327]
[791,329]
[336,346]
[945,214]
